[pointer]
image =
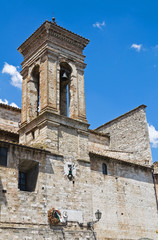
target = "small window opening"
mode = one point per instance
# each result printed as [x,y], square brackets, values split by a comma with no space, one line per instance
[28,174]
[33,135]
[104,169]
[65,74]
[3,156]
[22,181]
[36,81]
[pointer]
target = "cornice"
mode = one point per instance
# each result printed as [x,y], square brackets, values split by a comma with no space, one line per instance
[24,72]
[48,30]
[68,38]
[24,146]
[46,49]
[30,39]
[54,118]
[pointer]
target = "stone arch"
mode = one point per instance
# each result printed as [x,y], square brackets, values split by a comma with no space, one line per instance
[104,169]
[34,92]
[65,78]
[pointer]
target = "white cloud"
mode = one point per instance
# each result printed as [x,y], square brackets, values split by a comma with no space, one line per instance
[137,47]
[99,25]
[153,135]
[4,102]
[16,78]
[14,105]
[7,103]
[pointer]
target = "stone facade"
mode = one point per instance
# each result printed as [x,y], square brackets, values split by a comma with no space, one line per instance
[127,213]
[58,162]
[10,118]
[125,131]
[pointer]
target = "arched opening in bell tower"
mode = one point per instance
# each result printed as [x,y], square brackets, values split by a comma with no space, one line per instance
[65,75]
[36,89]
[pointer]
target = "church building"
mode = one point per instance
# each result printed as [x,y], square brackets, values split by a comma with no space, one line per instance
[59,179]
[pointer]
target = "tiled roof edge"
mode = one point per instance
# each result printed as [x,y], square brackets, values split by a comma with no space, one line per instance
[122,161]
[85,39]
[10,107]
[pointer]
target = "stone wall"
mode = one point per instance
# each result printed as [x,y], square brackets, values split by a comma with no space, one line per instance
[23,214]
[126,198]
[9,118]
[31,232]
[98,142]
[129,133]
[58,134]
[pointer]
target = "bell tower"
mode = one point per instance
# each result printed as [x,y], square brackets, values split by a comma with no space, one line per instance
[53,82]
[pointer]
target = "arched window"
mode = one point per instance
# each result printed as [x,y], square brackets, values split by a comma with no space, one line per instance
[36,89]
[65,72]
[104,169]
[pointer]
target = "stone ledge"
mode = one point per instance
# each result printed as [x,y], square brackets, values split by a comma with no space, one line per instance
[83,160]
[120,161]
[24,146]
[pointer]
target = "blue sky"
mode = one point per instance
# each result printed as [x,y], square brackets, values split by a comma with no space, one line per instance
[122,56]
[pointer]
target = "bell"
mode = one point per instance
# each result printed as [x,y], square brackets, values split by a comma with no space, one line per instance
[64,76]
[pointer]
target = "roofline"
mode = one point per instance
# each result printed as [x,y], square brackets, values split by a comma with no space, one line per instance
[24,146]
[125,114]
[122,161]
[31,35]
[77,35]
[61,28]
[9,132]
[99,133]
[10,107]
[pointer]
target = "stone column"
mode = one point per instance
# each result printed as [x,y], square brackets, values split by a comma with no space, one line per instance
[81,95]
[52,82]
[43,82]
[58,86]
[24,73]
[73,95]
[156,187]
[48,83]
[32,100]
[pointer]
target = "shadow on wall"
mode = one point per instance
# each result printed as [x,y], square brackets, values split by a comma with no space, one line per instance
[3,200]
[94,235]
[145,239]
[57,229]
[117,168]
[47,168]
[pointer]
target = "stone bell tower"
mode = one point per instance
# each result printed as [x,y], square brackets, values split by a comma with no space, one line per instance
[53,82]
